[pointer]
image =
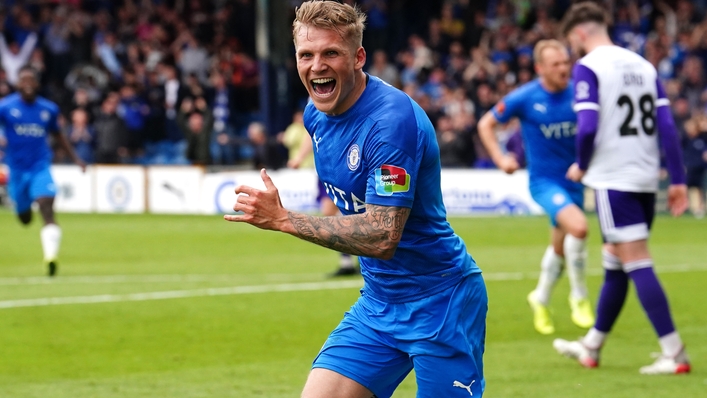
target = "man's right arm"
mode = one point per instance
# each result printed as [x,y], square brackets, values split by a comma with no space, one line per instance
[374,233]
[487,133]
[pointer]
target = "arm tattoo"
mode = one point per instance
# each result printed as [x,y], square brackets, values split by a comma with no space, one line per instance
[375,233]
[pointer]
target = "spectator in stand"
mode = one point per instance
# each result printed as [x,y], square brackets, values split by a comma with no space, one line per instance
[480,64]
[501,51]
[80,37]
[106,51]
[408,74]
[134,111]
[456,65]
[246,81]
[267,153]
[437,41]
[56,44]
[174,146]
[681,113]
[380,67]
[222,100]
[191,56]
[82,100]
[155,123]
[693,80]
[14,54]
[433,86]
[298,143]
[694,145]
[112,134]
[524,76]
[452,144]
[423,56]
[81,135]
[484,101]
[195,119]
[452,26]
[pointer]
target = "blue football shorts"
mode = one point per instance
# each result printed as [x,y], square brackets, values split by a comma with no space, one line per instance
[442,337]
[26,186]
[554,196]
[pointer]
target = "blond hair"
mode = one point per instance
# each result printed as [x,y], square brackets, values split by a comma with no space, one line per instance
[544,44]
[348,21]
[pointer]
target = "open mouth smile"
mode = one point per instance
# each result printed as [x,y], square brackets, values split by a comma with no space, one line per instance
[323,87]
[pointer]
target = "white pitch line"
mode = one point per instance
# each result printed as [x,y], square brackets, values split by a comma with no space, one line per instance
[219,291]
[115,279]
[286,287]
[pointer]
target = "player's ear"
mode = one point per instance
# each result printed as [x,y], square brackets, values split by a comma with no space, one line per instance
[360,58]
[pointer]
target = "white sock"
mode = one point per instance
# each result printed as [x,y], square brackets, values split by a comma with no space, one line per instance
[671,344]
[550,269]
[576,258]
[50,236]
[594,339]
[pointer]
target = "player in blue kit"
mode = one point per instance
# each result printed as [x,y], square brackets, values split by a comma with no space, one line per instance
[423,304]
[26,120]
[544,107]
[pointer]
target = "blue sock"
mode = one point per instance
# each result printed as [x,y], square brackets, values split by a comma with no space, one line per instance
[611,299]
[652,297]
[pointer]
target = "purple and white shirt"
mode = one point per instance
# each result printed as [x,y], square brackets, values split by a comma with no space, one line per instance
[623,120]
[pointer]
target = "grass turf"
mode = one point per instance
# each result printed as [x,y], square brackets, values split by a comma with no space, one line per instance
[262,344]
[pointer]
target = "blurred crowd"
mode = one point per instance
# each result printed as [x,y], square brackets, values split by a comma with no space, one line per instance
[177,81]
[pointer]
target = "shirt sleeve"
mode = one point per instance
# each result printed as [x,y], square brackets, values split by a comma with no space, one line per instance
[509,107]
[586,105]
[392,173]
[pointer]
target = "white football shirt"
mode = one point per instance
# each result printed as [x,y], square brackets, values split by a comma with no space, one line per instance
[622,87]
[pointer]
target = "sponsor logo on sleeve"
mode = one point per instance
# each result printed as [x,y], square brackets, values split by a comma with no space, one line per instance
[500,108]
[581,90]
[391,179]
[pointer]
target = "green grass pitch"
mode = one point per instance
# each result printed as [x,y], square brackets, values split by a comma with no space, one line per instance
[192,306]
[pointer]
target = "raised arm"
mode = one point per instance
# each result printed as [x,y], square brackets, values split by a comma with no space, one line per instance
[374,233]
[28,47]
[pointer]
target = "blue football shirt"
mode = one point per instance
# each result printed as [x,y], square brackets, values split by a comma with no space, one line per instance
[383,151]
[548,126]
[26,126]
